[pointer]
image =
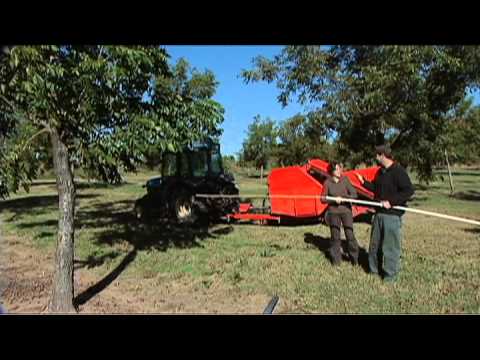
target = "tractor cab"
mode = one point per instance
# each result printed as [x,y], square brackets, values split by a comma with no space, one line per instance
[196,169]
[200,160]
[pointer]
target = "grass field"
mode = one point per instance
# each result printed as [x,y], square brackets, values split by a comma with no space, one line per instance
[124,267]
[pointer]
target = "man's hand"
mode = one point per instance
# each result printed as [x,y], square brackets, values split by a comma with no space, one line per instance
[386,204]
[360,178]
[337,199]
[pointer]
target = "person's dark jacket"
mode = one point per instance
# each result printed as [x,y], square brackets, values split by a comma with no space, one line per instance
[392,184]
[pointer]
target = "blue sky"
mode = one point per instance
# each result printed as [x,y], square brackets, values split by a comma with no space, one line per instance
[241,101]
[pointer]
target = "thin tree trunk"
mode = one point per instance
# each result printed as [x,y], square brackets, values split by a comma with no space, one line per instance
[62,293]
[452,190]
[261,172]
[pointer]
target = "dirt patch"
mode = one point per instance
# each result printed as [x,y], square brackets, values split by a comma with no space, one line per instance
[29,276]
[154,295]
[147,297]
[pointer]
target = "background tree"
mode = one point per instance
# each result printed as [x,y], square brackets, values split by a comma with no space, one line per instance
[229,163]
[102,107]
[301,139]
[373,94]
[188,83]
[260,143]
[462,139]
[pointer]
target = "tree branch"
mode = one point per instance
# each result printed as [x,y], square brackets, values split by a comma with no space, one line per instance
[33,137]
[7,102]
[24,117]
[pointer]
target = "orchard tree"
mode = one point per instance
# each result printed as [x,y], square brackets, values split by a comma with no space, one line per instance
[463,139]
[293,144]
[188,83]
[373,94]
[300,139]
[260,143]
[101,108]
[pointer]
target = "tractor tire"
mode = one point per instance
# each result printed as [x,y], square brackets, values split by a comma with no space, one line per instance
[142,209]
[182,207]
[138,212]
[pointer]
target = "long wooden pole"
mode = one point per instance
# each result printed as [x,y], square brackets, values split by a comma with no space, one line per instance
[353,201]
[430,213]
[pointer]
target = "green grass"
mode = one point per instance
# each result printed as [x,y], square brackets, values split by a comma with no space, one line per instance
[440,265]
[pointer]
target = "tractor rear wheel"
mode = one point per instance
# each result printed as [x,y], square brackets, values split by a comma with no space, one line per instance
[138,212]
[183,207]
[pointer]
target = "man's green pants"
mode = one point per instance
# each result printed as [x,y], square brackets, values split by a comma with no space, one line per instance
[386,238]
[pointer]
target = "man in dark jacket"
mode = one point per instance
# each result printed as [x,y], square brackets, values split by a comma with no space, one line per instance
[391,187]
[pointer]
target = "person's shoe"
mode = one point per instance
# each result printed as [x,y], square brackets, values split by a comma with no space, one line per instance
[354,261]
[389,279]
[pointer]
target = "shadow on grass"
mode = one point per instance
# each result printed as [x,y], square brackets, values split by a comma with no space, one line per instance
[45,234]
[419,198]
[118,223]
[323,244]
[91,261]
[466,181]
[426,187]
[98,185]
[254,176]
[473,230]
[43,183]
[93,290]
[470,195]
[35,204]
[79,185]
[141,236]
[109,224]
[455,173]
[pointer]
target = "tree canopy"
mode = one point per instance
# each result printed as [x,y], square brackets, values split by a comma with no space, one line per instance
[373,94]
[195,86]
[108,103]
[260,143]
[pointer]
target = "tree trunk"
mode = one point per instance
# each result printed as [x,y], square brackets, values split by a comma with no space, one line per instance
[261,172]
[62,293]
[452,190]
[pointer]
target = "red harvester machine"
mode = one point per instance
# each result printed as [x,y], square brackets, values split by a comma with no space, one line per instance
[294,193]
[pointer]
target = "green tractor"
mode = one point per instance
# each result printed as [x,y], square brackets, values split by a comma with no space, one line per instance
[198,169]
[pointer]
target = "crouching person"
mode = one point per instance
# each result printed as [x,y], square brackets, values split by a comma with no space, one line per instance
[339,213]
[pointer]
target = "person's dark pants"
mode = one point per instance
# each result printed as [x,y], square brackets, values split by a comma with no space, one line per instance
[386,237]
[335,220]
